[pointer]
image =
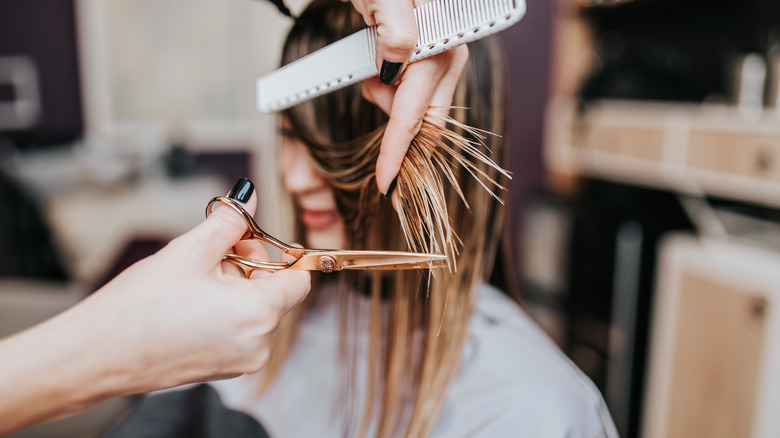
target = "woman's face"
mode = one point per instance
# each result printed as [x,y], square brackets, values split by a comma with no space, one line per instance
[323,225]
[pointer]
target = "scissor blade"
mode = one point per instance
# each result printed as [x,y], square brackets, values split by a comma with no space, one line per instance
[365,260]
[393,261]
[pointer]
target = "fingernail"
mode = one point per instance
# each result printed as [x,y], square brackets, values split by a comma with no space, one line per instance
[390,189]
[390,71]
[242,191]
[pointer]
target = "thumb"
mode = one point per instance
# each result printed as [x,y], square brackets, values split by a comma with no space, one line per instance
[396,37]
[225,226]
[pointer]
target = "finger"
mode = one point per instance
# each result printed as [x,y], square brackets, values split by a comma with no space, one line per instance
[232,269]
[256,250]
[287,287]
[262,254]
[378,93]
[253,249]
[410,103]
[361,7]
[431,82]
[442,96]
[396,36]
[381,95]
[225,226]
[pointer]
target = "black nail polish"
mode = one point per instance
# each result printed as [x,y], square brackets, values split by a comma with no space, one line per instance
[242,191]
[390,189]
[390,72]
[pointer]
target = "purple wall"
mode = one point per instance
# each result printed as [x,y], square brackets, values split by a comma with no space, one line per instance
[528,47]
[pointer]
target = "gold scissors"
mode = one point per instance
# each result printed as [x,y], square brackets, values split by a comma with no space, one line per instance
[325,260]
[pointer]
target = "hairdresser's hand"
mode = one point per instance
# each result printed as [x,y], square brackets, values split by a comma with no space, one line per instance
[192,316]
[405,92]
[179,316]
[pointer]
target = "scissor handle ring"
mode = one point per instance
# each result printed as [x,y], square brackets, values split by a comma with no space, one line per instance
[237,207]
[247,264]
[254,230]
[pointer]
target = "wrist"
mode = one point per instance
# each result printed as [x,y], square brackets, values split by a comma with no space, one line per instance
[46,375]
[91,357]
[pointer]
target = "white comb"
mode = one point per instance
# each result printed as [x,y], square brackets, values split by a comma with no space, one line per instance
[441,25]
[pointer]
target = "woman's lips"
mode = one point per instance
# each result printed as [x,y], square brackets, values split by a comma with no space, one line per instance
[318,219]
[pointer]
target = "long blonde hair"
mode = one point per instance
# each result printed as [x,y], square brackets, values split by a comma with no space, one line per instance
[418,324]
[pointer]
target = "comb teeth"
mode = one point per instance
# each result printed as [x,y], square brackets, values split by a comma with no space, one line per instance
[441,25]
[440,19]
[371,41]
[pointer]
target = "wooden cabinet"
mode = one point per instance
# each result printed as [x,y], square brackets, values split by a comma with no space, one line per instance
[715,343]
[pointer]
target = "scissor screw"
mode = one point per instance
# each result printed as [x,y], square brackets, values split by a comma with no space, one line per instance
[326,263]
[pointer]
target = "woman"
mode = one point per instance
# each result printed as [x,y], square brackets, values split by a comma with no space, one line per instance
[403,352]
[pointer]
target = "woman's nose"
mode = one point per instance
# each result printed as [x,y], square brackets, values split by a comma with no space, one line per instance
[298,171]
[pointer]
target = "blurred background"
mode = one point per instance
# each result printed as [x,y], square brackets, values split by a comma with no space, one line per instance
[644,221]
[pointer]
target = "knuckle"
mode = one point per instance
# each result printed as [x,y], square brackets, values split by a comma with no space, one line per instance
[260,359]
[230,219]
[302,281]
[267,315]
[301,292]
[412,127]
[306,280]
[398,41]
[461,55]
[297,286]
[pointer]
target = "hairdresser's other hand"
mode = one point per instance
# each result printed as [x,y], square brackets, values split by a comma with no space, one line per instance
[405,93]
[179,316]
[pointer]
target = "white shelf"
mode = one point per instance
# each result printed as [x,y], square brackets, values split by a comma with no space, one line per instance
[695,149]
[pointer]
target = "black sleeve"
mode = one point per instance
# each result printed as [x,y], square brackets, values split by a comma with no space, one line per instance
[192,413]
